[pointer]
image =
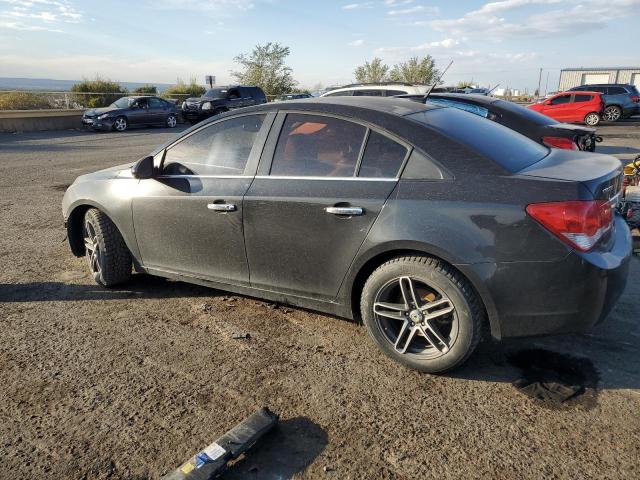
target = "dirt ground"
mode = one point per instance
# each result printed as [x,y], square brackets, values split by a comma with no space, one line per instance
[129,383]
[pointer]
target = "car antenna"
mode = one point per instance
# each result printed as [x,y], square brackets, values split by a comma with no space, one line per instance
[424,99]
[496,86]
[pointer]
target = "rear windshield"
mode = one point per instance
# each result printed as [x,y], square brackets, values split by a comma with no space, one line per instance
[526,113]
[502,145]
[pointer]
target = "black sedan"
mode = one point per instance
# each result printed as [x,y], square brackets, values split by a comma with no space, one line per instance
[538,127]
[428,223]
[132,111]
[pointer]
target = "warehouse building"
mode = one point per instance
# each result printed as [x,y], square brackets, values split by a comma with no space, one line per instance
[573,77]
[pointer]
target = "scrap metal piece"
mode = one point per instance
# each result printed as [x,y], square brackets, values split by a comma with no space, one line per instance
[212,460]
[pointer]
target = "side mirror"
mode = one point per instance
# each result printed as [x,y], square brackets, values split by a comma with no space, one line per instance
[143,168]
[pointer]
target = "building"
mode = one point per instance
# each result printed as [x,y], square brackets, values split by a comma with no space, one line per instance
[573,77]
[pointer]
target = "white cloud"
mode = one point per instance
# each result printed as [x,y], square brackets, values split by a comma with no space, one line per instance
[500,20]
[356,43]
[222,8]
[37,15]
[355,6]
[407,11]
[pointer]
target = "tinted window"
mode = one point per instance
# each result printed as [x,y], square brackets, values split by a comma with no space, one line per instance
[561,99]
[391,93]
[616,90]
[467,107]
[142,103]
[156,103]
[582,98]
[420,167]
[500,144]
[526,113]
[382,158]
[220,149]
[368,93]
[317,146]
[344,93]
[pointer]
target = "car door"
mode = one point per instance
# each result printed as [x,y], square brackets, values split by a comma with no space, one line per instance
[559,107]
[157,111]
[317,193]
[139,112]
[235,98]
[188,219]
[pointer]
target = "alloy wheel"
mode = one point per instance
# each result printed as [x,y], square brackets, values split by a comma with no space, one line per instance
[417,319]
[592,119]
[92,249]
[120,124]
[171,121]
[612,114]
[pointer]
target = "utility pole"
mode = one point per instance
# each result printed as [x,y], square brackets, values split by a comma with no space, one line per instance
[539,81]
[546,85]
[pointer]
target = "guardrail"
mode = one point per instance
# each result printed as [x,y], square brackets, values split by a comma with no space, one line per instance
[38,120]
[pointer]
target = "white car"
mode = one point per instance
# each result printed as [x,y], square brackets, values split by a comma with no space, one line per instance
[377,90]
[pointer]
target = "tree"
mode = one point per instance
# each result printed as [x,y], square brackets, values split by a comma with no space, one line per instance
[464,84]
[415,70]
[374,72]
[265,67]
[107,92]
[183,90]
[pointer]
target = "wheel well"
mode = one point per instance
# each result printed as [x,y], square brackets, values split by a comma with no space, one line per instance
[74,229]
[368,268]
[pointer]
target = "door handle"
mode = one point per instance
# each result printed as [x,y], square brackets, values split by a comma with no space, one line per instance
[347,211]
[221,207]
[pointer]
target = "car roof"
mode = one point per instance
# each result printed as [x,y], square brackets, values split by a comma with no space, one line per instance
[480,99]
[394,106]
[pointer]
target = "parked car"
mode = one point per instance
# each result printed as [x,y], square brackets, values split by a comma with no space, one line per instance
[539,128]
[582,107]
[388,89]
[291,96]
[131,111]
[219,100]
[426,222]
[620,100]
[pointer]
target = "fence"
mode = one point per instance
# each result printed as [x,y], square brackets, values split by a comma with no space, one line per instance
[36,100]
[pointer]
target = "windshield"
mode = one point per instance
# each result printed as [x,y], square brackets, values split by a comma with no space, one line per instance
[527,113]
[124,102]
[216,93]
[504,146]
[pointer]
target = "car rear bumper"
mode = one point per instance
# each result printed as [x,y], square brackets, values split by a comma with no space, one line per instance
[569,295]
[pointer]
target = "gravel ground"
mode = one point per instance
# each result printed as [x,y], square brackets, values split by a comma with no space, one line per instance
[130,383]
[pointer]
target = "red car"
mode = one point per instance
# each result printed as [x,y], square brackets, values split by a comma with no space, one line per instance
[578,107]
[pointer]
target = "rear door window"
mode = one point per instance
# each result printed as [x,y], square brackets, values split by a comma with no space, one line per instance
[368,93]
[382,157]
[392,93]
[582,98]
[617,91]
[317,146]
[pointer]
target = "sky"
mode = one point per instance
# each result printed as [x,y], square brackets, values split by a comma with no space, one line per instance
[505,41]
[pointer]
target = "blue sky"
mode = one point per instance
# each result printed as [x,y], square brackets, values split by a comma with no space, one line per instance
[159,40]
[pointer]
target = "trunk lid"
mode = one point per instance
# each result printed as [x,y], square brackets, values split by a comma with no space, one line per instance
[600,174]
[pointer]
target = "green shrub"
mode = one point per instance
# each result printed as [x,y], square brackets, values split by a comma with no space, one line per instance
[24,101]
[192,89]
[106,91]
[146,90]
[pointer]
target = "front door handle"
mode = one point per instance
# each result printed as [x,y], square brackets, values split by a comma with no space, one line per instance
[221,207]
[347,211]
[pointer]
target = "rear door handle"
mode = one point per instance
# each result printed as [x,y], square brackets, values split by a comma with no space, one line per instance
[347,211]
[221,207]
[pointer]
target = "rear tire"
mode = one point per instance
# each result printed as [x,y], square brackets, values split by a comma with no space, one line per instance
[172,121]
[592,119]
[434,336]
[612,113]
[107,255]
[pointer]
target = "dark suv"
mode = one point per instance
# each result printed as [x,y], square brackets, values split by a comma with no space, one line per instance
[221,99]
[620,100]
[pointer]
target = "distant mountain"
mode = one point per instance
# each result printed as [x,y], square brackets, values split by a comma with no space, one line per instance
[50,85]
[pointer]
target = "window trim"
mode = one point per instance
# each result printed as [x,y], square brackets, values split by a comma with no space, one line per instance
[269,150]
[254,157]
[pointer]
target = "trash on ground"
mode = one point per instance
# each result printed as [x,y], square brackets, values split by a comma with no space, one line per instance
[212,460]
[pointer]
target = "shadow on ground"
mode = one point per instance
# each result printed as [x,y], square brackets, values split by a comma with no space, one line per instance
[286,451]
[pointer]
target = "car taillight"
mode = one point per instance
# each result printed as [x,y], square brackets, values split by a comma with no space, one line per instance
[580,224]
[559,142]
[635,98]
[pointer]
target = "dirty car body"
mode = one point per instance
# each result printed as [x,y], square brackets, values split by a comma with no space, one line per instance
[274,215]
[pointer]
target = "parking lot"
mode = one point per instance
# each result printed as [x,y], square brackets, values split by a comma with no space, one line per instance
[129,383]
